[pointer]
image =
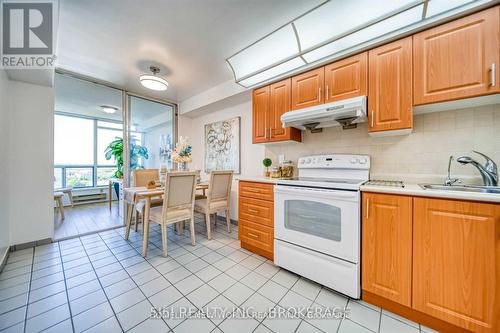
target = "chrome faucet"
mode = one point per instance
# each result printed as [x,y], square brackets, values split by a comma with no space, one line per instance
[450,181]
[489,171]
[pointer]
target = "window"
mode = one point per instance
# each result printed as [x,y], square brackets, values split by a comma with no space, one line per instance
[104,137]
[104,174]
[58,178]
[73,141]
[79,177]
[79,146]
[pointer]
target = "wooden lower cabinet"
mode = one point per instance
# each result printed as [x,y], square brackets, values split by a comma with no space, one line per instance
[434,261]
[256,217]
[456,262]
[386,247]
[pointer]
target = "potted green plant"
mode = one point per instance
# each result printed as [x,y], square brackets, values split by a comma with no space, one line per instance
[267,162]
[115,150]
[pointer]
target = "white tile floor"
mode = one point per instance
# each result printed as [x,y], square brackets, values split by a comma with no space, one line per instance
[100,283]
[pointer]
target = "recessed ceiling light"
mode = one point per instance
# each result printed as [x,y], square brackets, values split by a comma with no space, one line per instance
[153,82]
[109,109]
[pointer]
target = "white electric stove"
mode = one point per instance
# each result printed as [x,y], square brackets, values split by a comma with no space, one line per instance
[317,220]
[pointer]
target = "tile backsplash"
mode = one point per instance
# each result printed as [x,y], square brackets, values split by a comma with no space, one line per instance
[420,156]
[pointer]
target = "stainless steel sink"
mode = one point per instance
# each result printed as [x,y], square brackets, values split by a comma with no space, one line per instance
[461,188]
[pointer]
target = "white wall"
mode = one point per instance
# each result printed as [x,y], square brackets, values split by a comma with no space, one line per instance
[152,142]
[4,144]
[31,162]
[422,155]
[251,155]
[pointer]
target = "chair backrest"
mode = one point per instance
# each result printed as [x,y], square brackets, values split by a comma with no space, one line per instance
[143,176]
[219,188]
[180,190]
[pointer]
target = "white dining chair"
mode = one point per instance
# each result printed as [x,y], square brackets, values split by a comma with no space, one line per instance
[178,204]
[218,198]
[141,178]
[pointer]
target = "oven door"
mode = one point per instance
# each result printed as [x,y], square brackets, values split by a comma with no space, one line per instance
[322,220]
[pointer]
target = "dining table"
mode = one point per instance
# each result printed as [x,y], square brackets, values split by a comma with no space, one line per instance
[133,195]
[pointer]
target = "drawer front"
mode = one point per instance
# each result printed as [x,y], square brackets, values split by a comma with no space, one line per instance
[257,235]
[257,211]
[257,191]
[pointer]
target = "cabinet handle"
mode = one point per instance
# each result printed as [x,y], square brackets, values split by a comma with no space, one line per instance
[270,133]
[253,190]
[253,235]
[326,93]
[253,210]
[367,207]
[319,95]
[493,74]
[372,119]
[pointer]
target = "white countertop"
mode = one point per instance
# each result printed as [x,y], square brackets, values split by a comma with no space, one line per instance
[258,179]
[409,189]
[416,190]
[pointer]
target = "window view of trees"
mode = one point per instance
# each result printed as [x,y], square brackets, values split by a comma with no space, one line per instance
[79,145]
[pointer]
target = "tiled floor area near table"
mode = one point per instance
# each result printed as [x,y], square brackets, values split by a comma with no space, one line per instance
[101,283]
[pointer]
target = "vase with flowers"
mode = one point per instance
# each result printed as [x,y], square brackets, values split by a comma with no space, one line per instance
[182,154]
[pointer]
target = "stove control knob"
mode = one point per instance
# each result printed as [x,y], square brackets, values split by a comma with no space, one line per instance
[363,161]
[354,160]
[308,161]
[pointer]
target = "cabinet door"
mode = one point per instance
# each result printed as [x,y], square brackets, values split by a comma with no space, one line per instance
[455,60]
[390,86]
[386,246]
[307,89]
[280,103]
[346,78]
[260,114]
[456,262]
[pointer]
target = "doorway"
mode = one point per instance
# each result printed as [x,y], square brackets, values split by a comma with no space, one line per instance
[92,161]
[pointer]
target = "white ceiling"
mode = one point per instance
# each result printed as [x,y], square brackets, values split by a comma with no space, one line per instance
[117,40]
[85,98]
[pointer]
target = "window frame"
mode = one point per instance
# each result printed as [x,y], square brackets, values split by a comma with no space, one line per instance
[95,165]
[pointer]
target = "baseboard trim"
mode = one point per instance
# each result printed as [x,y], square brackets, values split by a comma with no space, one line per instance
[257,250]
[5,256]
[27,245]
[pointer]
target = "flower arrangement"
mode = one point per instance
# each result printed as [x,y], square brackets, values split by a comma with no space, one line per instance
[182,151]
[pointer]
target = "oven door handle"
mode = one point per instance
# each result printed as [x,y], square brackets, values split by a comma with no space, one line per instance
[344,194]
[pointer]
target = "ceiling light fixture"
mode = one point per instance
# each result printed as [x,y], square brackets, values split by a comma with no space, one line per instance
[153,82]
[109,109]
[312,39]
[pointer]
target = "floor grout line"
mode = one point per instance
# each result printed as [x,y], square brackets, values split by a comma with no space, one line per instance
[112,242]
[104,292]
[29,292]
[66,289]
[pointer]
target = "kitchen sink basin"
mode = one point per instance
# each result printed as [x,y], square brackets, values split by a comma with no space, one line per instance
[461,188]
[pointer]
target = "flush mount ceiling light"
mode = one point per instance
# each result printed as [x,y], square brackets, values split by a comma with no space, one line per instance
[336,29]
[109,109]
[153,82]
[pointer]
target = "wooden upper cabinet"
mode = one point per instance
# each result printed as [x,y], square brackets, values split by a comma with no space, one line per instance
[347,78]
[269,103]
[308,89]
[456,259]
[280,100]
[260,114]
[386,246]
[390,86]
[457,60]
